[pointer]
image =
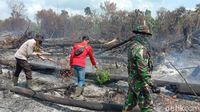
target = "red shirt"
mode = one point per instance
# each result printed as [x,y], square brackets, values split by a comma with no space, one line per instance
[80,60]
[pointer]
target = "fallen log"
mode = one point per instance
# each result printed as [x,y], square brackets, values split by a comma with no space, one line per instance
[10,63]
[70,44]
[34,66]
[49,69]
[65,101]
[45,68]
[178,87]
[113,58]
[55,88]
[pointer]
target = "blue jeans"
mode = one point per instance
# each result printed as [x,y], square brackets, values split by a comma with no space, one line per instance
[80,72]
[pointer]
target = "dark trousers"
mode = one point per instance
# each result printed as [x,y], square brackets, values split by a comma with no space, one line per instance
[25,66]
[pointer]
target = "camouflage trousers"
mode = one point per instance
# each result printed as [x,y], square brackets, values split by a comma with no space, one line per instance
[143,98]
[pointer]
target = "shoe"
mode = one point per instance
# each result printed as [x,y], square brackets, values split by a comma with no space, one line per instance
[78,92]
[30,85]
[15,80]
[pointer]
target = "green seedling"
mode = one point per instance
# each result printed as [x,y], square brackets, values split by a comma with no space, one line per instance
[102,76]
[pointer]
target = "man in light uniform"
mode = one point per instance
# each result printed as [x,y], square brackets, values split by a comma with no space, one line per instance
[27,49]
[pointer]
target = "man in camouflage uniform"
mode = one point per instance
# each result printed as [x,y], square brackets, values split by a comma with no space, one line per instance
[139,67]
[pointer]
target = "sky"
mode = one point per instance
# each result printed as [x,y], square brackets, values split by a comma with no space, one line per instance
[77,6]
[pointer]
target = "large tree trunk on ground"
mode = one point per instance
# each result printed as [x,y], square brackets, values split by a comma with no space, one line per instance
[8,62]
[35,66]
[63,44]
[65,101]
[41,67]
[113,58]
[179,87]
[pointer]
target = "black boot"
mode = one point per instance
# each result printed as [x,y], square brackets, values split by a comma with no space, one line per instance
[14,80]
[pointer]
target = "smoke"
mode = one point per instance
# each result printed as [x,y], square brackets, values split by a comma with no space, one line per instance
[186,62]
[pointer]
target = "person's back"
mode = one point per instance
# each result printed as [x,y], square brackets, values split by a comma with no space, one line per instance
[139,61]
[78,62]
[139,67]
[26,49]
[21,56]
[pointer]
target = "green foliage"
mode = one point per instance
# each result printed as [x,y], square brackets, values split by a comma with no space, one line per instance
[110,23]
[102,76]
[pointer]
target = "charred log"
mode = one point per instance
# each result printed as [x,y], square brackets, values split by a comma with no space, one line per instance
[64,101]
[178,87]
[40,67]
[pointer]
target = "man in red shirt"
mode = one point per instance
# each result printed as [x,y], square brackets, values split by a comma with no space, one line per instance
[78,62]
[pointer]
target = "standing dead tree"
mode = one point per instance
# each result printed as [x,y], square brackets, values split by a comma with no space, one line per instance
[26,35]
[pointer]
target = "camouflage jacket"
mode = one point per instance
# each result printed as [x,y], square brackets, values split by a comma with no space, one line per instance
[139,66]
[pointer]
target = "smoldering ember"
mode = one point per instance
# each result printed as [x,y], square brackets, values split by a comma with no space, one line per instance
[115,45]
